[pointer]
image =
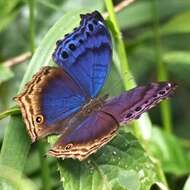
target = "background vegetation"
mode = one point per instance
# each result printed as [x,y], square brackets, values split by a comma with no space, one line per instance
[154,45]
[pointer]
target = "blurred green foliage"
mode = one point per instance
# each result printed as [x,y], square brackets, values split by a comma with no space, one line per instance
[154,32]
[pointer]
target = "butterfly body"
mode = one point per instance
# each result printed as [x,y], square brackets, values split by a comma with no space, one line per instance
[64,100]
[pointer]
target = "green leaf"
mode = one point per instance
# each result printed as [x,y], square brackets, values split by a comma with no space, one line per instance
[8,6]
[122,164]
[139,13]
[16,144]
[7,14]
[179,57]
[12,180]
[11,111]
[5,73]
[167,148]
[7,19]
[178,24]
[178,62]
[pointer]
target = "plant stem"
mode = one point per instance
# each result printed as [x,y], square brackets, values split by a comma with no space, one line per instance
[160,173]
[126,75]
[127,78]
[120,6]
[161,70]
[12,111]
[18,59]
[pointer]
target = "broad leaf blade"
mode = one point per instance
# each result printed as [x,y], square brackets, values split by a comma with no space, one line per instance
[122,164]
[178,24]
[11,179]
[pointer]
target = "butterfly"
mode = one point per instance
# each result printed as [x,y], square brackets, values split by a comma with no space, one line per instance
[64,100]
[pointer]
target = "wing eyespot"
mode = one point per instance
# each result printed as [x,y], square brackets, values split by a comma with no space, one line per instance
[64,55]
[162,92]
[129,115]
[68,146]
[138,108]
[72,47]
[39,119]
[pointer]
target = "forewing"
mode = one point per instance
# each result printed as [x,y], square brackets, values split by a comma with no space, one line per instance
[50,97]
[86,53]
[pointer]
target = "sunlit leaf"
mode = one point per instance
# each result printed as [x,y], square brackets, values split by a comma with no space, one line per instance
[122,164]
[178,24]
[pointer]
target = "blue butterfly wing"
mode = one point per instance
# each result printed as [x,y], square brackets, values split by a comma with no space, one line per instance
[60,97]
[86,53]
[49,98]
